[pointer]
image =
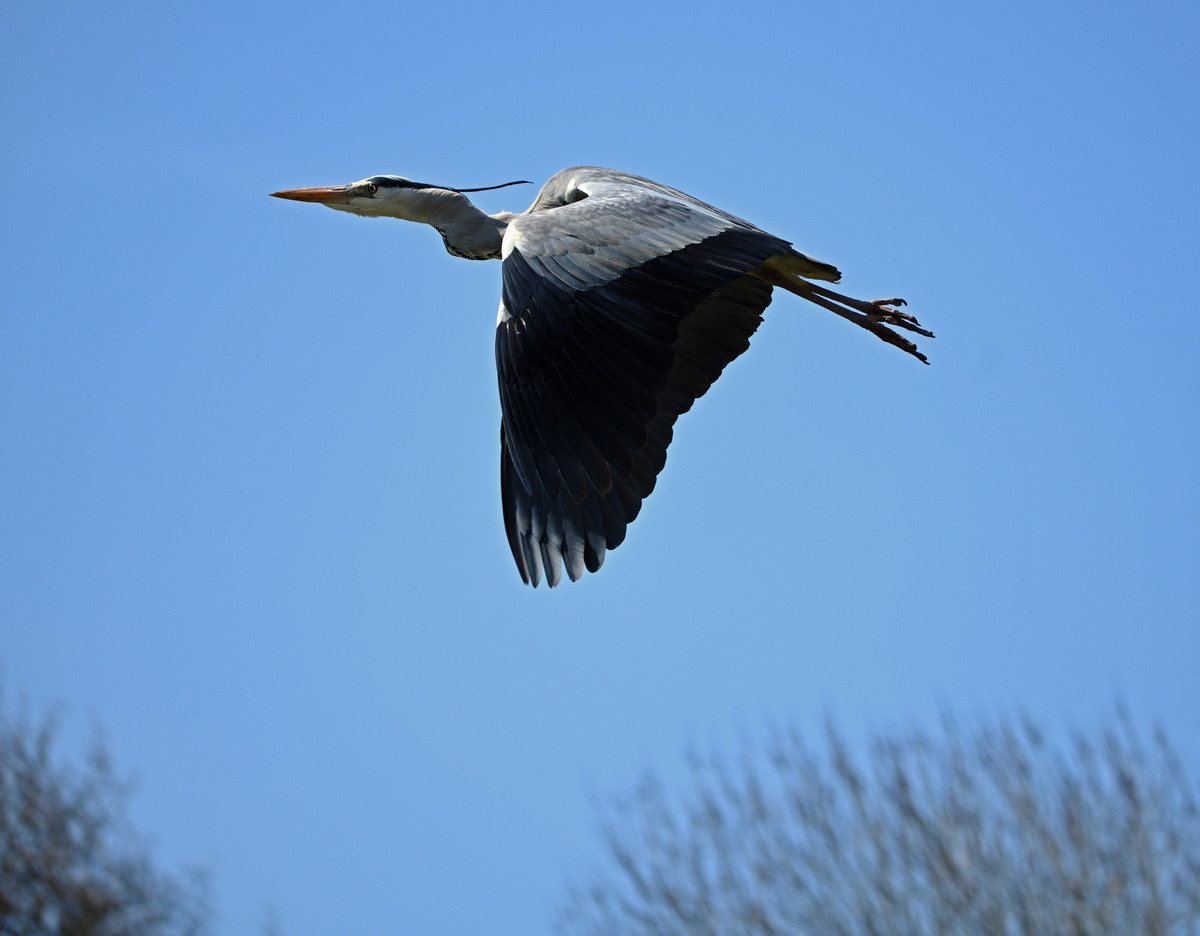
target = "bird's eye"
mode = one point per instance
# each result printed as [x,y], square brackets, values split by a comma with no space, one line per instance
[372,188]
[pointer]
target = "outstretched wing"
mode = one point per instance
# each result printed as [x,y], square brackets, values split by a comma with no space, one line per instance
[623,301]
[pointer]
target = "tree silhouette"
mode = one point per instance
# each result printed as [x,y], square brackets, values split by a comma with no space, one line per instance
[992,830]
[69,863]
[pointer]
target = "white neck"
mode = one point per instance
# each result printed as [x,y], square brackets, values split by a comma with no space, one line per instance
[466,231]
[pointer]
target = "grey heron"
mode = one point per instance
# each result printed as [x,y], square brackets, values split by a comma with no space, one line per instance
[622,302]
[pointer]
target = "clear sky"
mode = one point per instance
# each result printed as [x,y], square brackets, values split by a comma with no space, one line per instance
[249,508]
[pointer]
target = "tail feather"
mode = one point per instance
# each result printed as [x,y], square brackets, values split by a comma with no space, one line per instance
[798,264]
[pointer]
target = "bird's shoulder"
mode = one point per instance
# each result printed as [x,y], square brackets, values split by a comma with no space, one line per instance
[600,222]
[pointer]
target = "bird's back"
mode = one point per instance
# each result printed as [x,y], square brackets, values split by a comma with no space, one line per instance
[623,301]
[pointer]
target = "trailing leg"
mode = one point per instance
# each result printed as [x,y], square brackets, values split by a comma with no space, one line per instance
[874,316]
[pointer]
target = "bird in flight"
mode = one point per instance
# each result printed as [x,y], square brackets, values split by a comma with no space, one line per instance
[622,302]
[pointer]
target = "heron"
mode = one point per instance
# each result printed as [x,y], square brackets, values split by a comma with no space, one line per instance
[622,302]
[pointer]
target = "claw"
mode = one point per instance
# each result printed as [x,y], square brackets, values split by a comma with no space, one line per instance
[873,316]
[881,311]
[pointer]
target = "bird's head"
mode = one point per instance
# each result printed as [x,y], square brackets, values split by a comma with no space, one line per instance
[386,196]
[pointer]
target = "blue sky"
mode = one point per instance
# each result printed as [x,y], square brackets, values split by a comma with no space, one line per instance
[249,518]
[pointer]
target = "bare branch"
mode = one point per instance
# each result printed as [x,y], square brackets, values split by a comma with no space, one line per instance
[69,864]
[995,830]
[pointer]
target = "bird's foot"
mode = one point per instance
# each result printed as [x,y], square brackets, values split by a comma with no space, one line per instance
[875,316]
[883,311]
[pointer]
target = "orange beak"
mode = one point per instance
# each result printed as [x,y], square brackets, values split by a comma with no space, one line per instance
[322,194]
